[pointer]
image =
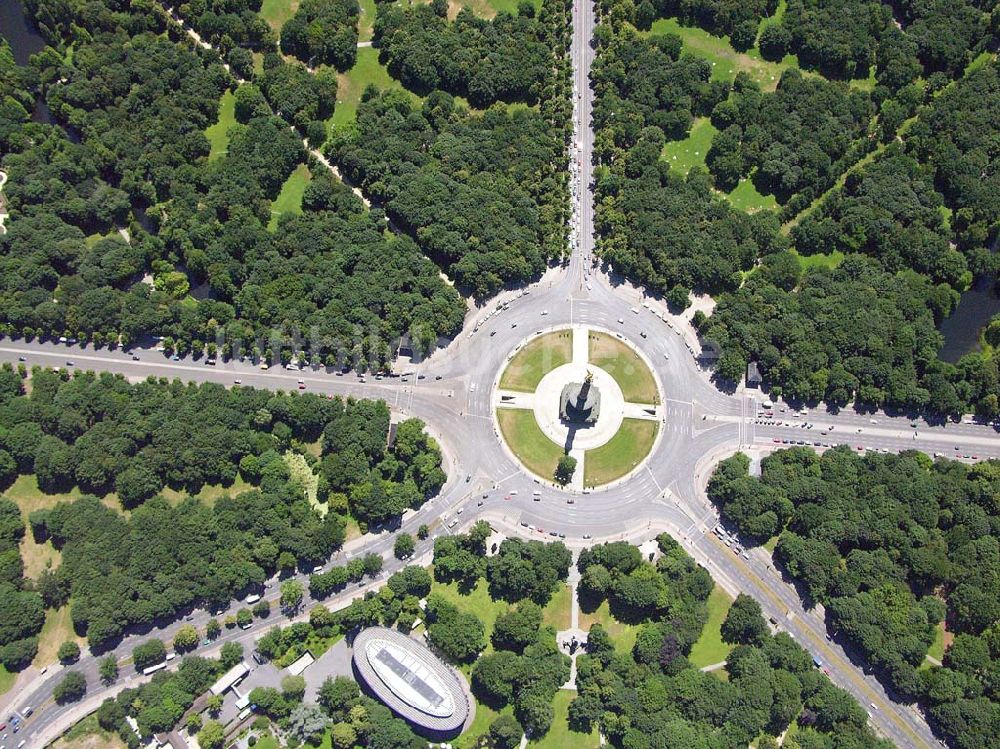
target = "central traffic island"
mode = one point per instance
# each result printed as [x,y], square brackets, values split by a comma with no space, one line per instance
[578,406]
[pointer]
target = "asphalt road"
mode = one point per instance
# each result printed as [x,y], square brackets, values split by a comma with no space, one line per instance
[452,392]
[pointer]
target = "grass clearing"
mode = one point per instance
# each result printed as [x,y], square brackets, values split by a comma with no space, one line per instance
[208,494]
[88,734]
[38,556]
[619,455]
[58,628]
[936,650]
[625,366]
[622,634]
[276,12]
[487,8]
[6,679]
[289,200]
[485,715]
[477,601]
[682,155]
[218,134]
[539,357]
[366,22]
[771,544]
[726,62]
[560,735]
[745,197]
[710,648]
[527,440]
[829,261]
[559,610]
[303,476]
[350,85]
[269,742]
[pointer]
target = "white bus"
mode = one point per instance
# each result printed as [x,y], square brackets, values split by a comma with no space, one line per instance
[154,669]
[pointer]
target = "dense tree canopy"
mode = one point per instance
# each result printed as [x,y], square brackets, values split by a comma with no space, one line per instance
[102,434]
[653,697]
[507,59]
[323,31]
[893,545]
[479,192]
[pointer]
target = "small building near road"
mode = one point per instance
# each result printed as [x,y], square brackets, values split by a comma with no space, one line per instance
[230,678]
[413,682]
[301,664]
[754,378]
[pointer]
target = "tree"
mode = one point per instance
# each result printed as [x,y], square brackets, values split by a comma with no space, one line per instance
[72,688]
[505,732]
[212,735]
[148,654]
[744,622]
[107,670]
[293,688]
[244,618]
[213,629]
[343,735]
[69,652]
[110,715]
[214,704]
[459,635]
[403,546]
[291,595]
[423,531]
[518,627]
[565,469]
[230,655]
[308,722]
[334,694]
[186,639]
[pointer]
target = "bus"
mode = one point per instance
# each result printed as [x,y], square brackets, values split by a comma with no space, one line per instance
[154,669]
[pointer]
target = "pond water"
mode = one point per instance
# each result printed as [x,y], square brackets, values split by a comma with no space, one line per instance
[961,330]
[24,41]
[23,38]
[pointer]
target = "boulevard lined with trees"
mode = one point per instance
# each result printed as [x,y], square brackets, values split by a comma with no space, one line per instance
[895,547]
[103,435]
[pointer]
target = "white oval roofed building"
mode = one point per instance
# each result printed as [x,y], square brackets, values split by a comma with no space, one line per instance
[410,679]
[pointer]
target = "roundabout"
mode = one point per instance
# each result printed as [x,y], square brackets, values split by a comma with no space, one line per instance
[581,392]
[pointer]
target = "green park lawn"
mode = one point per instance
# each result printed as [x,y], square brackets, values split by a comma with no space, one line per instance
[477,601]
[366,21]
[485,715]
[710,649]
[350,85]
[88,734]
[208,494]
[6,680]
[487,8]
[537,359]
[528,441]
[269,742]
[560,735]
[276,12]
[58,628]
[622,634]
[619,455]
[289,200]
[682,155]
[627,368]
[218,134]
[558,613]
[829,261]
[745,197]
[726,62]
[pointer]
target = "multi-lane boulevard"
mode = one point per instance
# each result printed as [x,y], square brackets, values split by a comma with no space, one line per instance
[452,392]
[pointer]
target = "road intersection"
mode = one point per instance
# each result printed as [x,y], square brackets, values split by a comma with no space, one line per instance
[452,392]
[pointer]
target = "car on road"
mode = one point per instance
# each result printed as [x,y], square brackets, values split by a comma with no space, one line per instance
[69,363]
[237,381]
[586,535]
[642,333]
[135,357]
[22,358]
